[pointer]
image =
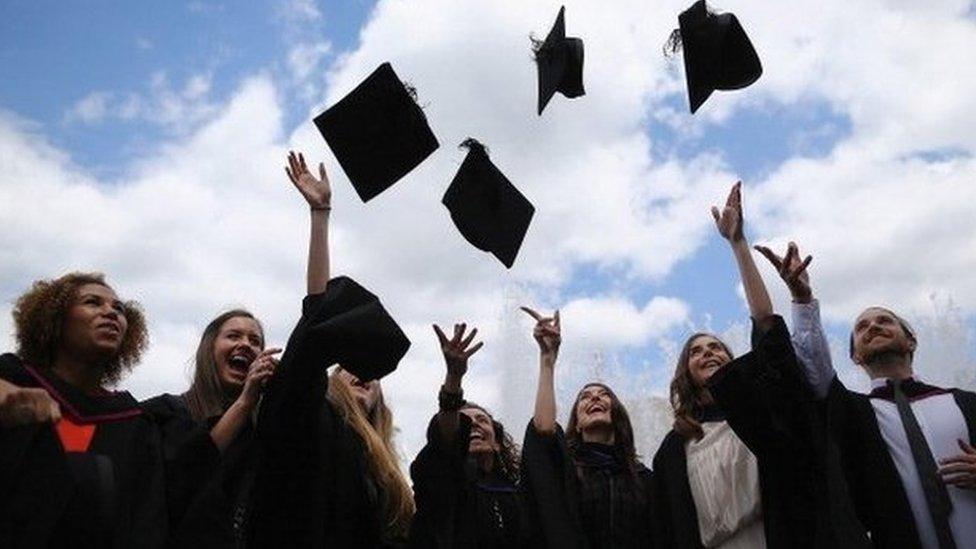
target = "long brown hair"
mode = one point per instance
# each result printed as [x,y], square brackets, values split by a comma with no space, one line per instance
[375,430]
[507,457]
[623,431]
[39,315]
[206,397]
[687,398]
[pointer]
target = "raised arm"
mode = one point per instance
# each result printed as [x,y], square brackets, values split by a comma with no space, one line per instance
[318,194]
[457,351]
[809,339]
[547,335]
[730,225]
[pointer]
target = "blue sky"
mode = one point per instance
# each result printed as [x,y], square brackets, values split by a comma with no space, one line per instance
[176,100]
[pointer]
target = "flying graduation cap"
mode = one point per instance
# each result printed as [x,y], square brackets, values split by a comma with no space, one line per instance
[378,133]
[487,209]
[718,55]
[560,63]
[347,325]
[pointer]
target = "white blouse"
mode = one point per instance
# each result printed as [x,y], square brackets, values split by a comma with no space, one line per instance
[724,481]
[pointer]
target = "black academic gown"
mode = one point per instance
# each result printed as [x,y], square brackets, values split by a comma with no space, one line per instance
[208,492]
[871,474]
[311,488]
[456,506]
[767,402]
[110,494]
[585,502]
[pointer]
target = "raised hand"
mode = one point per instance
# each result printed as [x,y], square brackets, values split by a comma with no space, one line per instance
[960,470]
[23,406]
[792,270]
[458,349]
[317,192]
[261,369]
[547,333]
[729,220]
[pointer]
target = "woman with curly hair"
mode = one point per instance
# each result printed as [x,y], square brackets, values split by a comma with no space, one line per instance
[588,487]
[466,477]
[91,467]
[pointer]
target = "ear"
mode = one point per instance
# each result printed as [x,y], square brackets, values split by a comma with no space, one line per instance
[857,358]
[912,344]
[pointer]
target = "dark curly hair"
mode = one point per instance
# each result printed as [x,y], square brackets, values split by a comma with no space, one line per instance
[39,316]
[688,399]
[507,458]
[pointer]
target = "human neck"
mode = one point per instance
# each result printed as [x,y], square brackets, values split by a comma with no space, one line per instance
[485,462]
[80,373]
[602,434]
[890,365]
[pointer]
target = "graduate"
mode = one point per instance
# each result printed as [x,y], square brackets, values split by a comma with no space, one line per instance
[586,488]
[208,433]
[743,466]
[907,446]
[466,477]
[327,474]
[88,470]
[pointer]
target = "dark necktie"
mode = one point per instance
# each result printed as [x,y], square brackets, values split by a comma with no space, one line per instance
[936,494]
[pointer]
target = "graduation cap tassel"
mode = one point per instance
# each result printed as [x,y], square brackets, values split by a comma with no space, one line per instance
[672,45]
[473,144]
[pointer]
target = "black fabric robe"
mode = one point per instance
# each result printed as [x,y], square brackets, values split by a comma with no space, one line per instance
[208,492]
[767,402]
[576,505]
[110,495]
[311,488]
[457,507]
[875,485]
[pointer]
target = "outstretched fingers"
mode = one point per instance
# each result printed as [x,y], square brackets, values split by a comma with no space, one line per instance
[770,255]
[440,336]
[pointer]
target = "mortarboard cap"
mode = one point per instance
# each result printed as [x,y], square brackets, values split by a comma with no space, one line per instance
[378,133]
[487,209]
[355,330]
[718,55]
[560,63]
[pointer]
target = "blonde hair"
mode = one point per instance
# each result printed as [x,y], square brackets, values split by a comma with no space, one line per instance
[375,430]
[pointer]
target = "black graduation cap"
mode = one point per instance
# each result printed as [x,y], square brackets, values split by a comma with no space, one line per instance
[488,210]
[560,63]
[377,132]
[718,54]
[355,330]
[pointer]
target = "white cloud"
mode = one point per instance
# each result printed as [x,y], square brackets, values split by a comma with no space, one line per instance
[208,220]
[304,59]
[89,109]
[173,108]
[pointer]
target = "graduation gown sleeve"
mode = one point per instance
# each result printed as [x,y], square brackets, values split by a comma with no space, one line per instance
[547,477]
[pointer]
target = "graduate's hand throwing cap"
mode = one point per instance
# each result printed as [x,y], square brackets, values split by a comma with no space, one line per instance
[378,133]
[357,332]
[560,63]
[487,209]
[718,55]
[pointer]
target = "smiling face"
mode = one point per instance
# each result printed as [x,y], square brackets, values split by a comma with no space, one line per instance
[594,408]
[95,324]
[878,331]
[482,439]
[367,393]
[237,344]
[706,354]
